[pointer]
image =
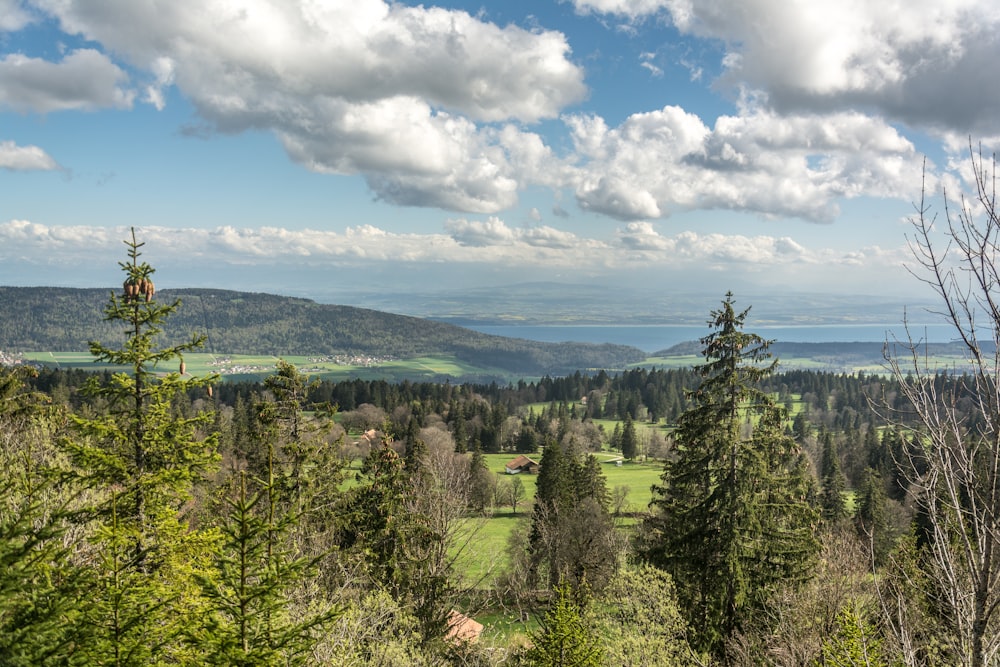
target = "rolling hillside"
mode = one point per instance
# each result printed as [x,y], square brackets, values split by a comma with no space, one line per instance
[65,319]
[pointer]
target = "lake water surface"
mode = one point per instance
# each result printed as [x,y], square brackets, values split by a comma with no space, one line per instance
[652,338]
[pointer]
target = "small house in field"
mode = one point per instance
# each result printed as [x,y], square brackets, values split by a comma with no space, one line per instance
[462,629]
[521,464]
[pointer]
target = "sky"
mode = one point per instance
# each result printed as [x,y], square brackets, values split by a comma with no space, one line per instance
[341,149]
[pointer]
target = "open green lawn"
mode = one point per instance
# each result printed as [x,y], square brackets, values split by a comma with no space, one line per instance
[484,554]
[638,477]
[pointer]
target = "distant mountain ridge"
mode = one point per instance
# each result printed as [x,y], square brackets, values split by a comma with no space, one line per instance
[62,319]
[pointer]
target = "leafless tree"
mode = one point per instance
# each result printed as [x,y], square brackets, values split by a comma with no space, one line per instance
[955,476]
[619,499]
[441,497]
[583,436]
[510,491]
[367,416]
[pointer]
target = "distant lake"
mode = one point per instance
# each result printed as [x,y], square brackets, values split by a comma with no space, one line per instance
[655,337]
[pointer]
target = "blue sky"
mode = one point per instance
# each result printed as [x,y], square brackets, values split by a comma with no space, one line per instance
[336,149]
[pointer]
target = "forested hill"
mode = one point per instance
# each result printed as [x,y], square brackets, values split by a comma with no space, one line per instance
[62,319]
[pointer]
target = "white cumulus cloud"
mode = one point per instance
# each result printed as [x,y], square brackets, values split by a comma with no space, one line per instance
[25,158]
[13,15]
[399,94]
[923,62]
[799,166]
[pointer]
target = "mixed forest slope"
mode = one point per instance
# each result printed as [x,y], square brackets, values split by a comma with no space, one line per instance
[60,319]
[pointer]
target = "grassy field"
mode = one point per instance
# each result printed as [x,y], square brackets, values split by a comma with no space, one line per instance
[485,539]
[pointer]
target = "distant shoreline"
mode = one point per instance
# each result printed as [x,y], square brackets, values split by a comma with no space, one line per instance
[654,337]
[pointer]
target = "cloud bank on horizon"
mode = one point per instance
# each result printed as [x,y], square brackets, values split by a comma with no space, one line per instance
[583,138]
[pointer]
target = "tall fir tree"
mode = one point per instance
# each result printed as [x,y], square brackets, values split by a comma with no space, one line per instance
[629,441]
[730,520]
[141,461]
[832,482]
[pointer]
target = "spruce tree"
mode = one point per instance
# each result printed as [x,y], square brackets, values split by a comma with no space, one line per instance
[42,593]
[249,619]
[832,482]
[856,642]
[300,460]
[616,437]
[572,536]
[481,482]
[730,519]
[629,442]
[141,462]
[271,526]
[152,457]
[565,639]
[871,517]
[527,439]
[392,545]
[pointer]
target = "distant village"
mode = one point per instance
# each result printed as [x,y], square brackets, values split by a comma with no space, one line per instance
[226,366]
[10,359]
